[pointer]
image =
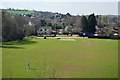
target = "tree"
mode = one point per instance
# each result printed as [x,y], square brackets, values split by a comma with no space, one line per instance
[68,14]
[12,26]
[91,23]
[20,22]
[49,24]
[7,26]
[43,23]
[84,24]
[63,25]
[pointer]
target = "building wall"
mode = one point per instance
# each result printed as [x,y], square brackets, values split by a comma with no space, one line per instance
[44,30]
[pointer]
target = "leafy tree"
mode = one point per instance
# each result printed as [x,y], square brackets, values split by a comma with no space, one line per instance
[84,24]
[7,26]
[68,14]
[63,25]
[43,23]
[29,29]
[91,23]
[13,26]
[20,22]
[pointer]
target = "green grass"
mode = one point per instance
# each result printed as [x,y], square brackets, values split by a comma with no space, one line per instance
[20,12]
[83,58]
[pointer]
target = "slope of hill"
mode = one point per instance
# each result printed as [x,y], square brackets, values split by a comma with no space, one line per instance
[20,11]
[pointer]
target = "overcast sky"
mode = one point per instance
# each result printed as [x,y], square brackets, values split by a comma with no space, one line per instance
[74,7]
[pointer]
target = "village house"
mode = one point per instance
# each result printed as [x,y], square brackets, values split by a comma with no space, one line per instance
[44,30]
[60,31]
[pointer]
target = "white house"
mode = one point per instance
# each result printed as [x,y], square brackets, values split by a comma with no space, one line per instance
[44,30]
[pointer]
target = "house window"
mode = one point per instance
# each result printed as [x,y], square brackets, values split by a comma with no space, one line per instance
[45,30]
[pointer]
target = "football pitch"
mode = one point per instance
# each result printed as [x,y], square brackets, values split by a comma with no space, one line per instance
[52,58]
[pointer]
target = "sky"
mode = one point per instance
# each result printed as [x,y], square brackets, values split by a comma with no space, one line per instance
[74,7]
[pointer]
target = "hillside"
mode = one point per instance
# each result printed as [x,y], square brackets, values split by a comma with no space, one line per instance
[20,11]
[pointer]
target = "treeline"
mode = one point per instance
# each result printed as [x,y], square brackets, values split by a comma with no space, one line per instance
[17,9]
[15,27]
[18,26]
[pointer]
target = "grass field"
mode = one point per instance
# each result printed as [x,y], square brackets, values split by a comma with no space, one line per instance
[20,12]
[52,58]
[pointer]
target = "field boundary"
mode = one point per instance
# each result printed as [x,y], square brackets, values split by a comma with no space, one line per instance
[64,37]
